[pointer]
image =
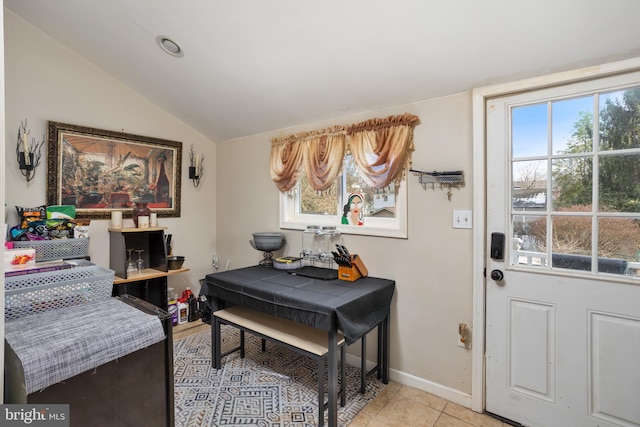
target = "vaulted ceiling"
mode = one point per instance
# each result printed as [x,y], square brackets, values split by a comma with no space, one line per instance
[252,66]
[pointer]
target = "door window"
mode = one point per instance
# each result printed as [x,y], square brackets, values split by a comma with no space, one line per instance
[575,183]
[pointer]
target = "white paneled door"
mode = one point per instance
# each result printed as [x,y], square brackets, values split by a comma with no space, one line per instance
[563,273]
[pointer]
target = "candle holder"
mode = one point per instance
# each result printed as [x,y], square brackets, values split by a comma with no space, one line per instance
[196,167]
[28,153]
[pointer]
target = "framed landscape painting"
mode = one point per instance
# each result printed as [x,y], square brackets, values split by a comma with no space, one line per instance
[100,171]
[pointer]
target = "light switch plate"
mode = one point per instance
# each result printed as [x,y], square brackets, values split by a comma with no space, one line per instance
[462,219]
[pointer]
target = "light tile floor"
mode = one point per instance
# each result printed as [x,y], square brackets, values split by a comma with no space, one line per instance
[397,405]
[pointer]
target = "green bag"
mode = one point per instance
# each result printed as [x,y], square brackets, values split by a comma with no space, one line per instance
[61,212]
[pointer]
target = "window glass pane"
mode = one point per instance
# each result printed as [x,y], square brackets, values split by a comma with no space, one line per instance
[529,185]
[377,203]
[619,179]
[572,125]
[571,235]
[316,203]
[620,119]
[619,240]
[529,240]
[529,130]
[383,202]
[571,242]
[572,183]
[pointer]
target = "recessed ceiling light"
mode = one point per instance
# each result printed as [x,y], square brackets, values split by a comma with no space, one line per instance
[169,46]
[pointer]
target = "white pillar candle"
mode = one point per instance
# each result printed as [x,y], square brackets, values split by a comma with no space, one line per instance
[25,140]
[143,221]
[116,219]
[153,219]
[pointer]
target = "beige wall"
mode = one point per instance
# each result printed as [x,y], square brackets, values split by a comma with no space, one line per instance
[432,268]
[45,81]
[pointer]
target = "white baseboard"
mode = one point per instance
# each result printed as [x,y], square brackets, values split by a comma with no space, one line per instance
[452,395]
[448,393]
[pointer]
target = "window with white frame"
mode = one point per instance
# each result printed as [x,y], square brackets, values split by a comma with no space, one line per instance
[351,177]
[384,210]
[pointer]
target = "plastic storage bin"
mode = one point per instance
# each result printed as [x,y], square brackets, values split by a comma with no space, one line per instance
[35,293]
[50,250]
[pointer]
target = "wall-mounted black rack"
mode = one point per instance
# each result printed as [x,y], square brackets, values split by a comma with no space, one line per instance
[447,179]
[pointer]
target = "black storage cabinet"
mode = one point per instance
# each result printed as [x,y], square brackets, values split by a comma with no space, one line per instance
[135,390]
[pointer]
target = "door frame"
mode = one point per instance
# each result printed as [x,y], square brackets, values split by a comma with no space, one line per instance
[479,98]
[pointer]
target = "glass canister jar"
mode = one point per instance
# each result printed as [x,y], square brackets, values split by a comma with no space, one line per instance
[310,242]
[329,237]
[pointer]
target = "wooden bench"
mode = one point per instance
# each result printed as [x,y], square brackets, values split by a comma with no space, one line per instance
[301,338]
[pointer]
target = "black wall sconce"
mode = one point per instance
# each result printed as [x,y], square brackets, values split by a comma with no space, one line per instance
[196,167]
[28,153]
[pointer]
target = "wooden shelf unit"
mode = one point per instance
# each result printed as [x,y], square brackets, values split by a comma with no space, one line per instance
[151,284]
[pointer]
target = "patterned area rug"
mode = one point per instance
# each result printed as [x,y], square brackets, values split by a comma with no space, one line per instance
[277,388]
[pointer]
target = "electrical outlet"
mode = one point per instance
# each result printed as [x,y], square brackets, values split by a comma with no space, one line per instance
[462,219]
[464,336]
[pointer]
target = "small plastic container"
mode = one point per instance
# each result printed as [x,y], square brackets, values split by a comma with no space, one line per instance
[183,312]
[172,306]
[192,302]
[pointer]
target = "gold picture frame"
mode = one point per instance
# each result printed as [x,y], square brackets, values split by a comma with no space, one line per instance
[100,171]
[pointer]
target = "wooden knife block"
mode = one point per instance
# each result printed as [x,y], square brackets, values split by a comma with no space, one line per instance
[354,272]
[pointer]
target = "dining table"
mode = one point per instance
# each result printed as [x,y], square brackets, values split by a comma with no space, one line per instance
[352,309]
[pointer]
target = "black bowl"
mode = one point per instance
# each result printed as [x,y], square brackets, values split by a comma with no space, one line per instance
[175,262]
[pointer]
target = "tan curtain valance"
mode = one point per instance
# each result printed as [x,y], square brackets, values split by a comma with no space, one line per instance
[381,149]
[320,152]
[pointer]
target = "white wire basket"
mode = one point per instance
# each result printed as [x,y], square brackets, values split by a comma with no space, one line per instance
[50,250]
[35,293]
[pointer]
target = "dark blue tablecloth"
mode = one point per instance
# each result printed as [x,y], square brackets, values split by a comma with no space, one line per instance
[351,307]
